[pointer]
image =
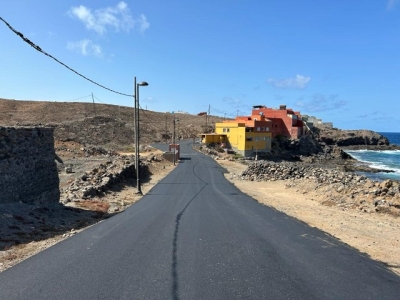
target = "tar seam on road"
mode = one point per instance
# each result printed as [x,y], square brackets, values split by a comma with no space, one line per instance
[175,284]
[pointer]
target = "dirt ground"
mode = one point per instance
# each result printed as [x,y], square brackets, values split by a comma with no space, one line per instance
[370,233]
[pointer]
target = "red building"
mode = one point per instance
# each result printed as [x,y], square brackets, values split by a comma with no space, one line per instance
[284,120]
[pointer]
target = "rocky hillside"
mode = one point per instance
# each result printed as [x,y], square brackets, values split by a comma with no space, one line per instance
[112,126]
[101,124]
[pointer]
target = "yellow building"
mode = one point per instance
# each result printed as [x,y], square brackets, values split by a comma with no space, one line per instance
[248,136]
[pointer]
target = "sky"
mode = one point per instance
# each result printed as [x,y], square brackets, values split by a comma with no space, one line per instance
[335,60]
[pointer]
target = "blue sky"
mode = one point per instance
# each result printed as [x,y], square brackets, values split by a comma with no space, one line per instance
[336,60]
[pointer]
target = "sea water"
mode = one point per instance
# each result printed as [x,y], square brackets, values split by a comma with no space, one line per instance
[386,159]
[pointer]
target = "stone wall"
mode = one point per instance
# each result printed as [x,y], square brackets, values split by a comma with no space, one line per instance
[28,171]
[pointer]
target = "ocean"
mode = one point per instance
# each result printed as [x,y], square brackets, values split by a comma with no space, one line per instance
[388,159]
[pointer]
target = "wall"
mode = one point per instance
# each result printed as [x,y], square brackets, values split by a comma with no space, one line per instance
[284,121]
[28,171]
[237,135]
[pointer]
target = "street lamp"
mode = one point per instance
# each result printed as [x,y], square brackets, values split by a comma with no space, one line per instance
[143,83]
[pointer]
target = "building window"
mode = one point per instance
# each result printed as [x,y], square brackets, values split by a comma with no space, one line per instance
[224,130]
[258,128]
[227,130]
[257,138]
[266,128]
[262,128]
[249,139]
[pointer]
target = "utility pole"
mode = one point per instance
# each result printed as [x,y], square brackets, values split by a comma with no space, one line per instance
[173,140]
[94,105]
[166,128]
[206,121]
[177,129]
[208,112]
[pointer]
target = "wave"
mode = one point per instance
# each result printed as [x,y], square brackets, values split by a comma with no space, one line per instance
[386,160]
[374,151]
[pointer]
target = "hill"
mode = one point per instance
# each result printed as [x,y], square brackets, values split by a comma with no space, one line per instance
[102,124]
[112,126]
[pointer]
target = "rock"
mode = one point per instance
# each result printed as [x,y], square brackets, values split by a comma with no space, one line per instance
[386,184]
[333,136]
[105,180]
[341,187]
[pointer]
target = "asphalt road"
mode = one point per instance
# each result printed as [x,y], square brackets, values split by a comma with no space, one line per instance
[195,236]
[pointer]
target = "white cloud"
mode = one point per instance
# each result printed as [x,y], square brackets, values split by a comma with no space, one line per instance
[320,102]
[86,47]
[297,82]
[149,100]
[117,17]
[392,3]
[143,24]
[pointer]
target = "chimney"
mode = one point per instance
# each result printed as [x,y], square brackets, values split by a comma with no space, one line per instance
[282,107]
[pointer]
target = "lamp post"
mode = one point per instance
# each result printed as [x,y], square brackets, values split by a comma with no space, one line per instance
[136,94]
[173,139]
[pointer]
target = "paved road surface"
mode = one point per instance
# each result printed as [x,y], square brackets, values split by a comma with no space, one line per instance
[195,236]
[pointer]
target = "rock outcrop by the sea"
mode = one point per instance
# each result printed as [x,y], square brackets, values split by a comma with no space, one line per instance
[284,148]
[327,144]
[344,138]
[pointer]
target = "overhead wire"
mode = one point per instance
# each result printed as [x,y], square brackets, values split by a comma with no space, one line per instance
[221,112]
[80,98]
[36,47]
[99,99]
[150,121]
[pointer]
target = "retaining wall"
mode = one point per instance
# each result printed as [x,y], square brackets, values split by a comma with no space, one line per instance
[28,171]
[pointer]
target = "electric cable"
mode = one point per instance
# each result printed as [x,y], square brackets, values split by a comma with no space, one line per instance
[36,47]
[80,98]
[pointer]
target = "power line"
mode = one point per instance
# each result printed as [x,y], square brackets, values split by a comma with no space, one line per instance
[99,100]
[221,112]
[81,97]
[36,47]
[150,121]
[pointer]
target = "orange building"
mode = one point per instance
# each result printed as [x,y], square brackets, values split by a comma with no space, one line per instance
[284,120]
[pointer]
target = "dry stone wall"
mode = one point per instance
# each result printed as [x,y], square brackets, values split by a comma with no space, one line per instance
[28,171]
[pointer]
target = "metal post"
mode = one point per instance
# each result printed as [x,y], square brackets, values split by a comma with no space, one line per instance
[173,141]
[136,138]
[166,129]
[139,190]
[94,106]
[137,133]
